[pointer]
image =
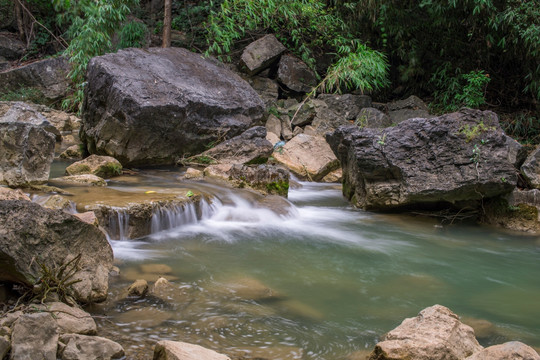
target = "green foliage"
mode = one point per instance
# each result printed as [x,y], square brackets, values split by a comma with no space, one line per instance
[133,34]
[306,27]
[454,90]
[472,132]
[523,126]
[92,23]
[57,280]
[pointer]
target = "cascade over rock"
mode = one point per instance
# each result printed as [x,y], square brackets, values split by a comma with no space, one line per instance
[30,232]
[457,157]
[152,106]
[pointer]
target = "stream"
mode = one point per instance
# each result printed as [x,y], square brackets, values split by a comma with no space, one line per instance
[311,277]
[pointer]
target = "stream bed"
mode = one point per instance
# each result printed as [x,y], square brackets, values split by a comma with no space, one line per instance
[312,278]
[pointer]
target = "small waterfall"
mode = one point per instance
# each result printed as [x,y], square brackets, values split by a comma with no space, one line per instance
[118,224]
[175,215]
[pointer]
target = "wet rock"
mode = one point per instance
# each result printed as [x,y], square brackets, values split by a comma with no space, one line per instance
[248,288]
[518,210]
[82,179]
[251,147]
[102,166]
[153,106]
[138,288]
[148,317]
[192,173]
[26,153]
[295,74]
[300,309]
[48,76]
[412,107]
[267,179]
[132,274]
[372,118]
[308,156]
[34,336]
[333,177]
[5,346]
[176,350]
[451,160]
[276,204]
[513,350]
[88,217]
[72,152]
[30,232]
[273,125]
[260,54]
[12,194]
[436,333]
[531,169]
[70,320]
[76,347]
[58,202]
[11,47]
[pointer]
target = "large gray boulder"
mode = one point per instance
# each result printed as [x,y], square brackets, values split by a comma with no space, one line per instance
[31,234]
[512,350]
[26,153]
[152,106]
[458,157]
[77,347]
[48,76]
[435,334]
[260,54]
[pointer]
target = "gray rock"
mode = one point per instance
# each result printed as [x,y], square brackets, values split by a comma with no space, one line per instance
[101,166]
[152,106]
[5,346]
[295,74]
[249,147]
[304,116]
[435,334]
[72,152]
[307,156]
[77,347]
[70,320]
[84,180]
[26,154]
[22,112]
[334,110]
[513,350]
[518,210]
[531,169]
[34,336]
[11,47]
[266,179]
[372,118]
[286,127]
[12,194]
[31,233]
[176,350]
[260,54]
[267,89]
[57,202]
[273,125]
[427,162]
[138,288]
[412,107]
[49,76]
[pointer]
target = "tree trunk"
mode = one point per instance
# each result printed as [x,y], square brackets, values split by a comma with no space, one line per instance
[167,25]
[20,21]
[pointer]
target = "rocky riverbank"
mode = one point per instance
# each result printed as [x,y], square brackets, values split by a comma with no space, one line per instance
[170,106]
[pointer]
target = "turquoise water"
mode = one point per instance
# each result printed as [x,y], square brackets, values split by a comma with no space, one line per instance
[339,278]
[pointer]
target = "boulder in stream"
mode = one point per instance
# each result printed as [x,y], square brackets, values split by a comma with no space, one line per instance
[176,350]
[32,235]
[153,106]
[435,334]
[450,160]
[102,166]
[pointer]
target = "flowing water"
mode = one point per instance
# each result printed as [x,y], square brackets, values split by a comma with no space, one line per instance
[312,279]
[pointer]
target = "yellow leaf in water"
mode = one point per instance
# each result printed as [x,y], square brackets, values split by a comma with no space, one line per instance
[150,192]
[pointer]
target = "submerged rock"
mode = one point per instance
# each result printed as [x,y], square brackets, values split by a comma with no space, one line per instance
[82,179]
[176,350]
[31,234]
[435,334]
[437,162]
[153,106]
